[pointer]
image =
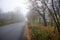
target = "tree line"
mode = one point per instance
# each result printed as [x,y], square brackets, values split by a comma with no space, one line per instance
[48,11]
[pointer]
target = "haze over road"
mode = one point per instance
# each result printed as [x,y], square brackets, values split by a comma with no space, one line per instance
[13,31]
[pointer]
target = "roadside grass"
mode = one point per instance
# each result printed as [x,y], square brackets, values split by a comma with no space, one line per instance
[40,32]
[6,22]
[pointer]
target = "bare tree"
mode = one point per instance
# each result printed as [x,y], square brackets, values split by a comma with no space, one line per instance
[40,10]
[54,14]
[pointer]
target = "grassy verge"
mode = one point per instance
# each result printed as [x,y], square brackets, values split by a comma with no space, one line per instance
[40,32]
[6,22]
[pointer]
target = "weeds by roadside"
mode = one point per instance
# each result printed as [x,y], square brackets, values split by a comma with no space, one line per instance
[40,32]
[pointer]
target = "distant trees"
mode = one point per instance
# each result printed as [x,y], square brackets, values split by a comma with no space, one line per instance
[33,16]
[16,16]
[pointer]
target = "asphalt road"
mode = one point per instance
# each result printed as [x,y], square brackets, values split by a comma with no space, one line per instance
[13,32]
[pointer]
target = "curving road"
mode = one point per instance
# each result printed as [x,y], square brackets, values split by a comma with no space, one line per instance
[13,32]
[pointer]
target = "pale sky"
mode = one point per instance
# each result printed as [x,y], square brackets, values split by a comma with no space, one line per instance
[9,5]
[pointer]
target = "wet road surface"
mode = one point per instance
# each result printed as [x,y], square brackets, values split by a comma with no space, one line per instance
[13,31]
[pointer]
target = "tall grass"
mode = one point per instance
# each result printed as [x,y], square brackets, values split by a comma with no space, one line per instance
[42,33]
[39,34]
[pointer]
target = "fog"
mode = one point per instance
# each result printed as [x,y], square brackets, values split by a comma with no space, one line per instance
[13,9]
[12,5]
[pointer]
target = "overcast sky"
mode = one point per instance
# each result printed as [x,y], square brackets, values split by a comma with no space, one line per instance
[9,5]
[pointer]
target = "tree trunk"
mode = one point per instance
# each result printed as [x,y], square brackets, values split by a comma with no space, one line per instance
[45,23]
